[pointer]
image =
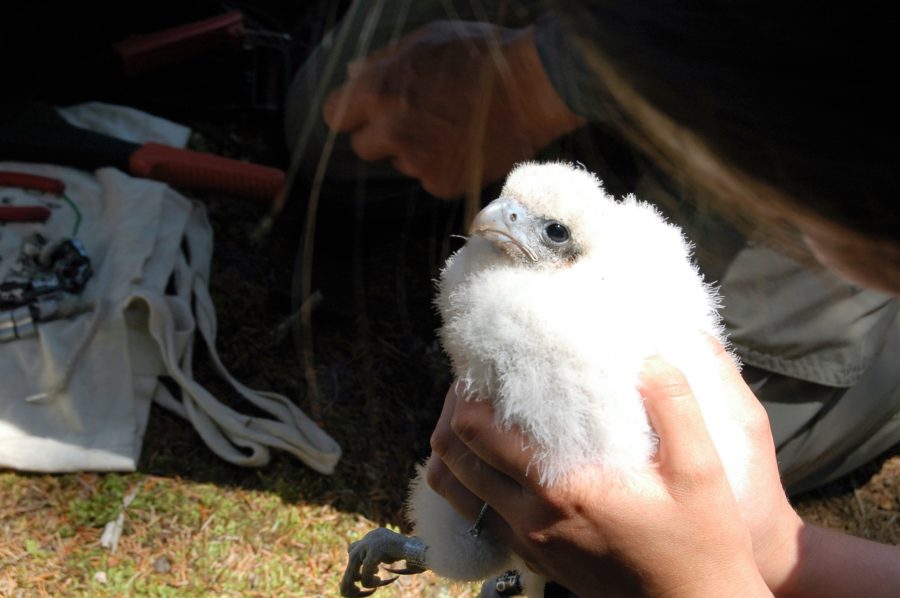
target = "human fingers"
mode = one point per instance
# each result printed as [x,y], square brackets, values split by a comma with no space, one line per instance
[384,138]
[374,141]
[346,108]
[465,466]
[771,519]
[686,452]
[442,481]
[349,106]
[504,449]
[463,501]
[442,428]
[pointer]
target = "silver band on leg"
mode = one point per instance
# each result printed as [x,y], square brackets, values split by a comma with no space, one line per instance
[475,530]
[414,552]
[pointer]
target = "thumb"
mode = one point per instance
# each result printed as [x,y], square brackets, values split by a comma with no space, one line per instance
[685,447]
[345,108]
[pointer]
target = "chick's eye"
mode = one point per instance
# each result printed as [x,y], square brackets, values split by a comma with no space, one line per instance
[556,232]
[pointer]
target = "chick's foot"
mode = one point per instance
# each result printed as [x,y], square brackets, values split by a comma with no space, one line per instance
[380,546]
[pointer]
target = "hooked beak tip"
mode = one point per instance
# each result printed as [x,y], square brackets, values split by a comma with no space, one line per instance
[494,223]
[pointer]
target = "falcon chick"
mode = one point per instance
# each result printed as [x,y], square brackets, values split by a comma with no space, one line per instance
[549,311]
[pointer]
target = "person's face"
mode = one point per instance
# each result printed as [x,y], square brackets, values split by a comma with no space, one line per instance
[870,262]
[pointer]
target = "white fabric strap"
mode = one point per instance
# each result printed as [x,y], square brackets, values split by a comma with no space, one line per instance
[223,429]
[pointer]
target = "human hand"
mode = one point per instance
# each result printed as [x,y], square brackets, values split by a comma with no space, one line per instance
[677,529]
[455,104]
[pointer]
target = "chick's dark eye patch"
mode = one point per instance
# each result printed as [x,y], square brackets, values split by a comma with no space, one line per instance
[556,232]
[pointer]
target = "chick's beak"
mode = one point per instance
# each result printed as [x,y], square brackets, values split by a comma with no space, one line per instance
[504,222]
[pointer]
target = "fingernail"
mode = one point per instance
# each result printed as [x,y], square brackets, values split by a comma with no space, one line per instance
[652,366]
[653,369]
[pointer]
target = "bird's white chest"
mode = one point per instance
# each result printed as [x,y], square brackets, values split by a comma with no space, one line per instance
[559,352]
[557,355]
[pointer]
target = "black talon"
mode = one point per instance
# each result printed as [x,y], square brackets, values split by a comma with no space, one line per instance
[354,592]
[385,582]
[408,570]
[376,582]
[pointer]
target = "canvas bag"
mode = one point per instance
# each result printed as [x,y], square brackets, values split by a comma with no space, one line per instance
[77,395]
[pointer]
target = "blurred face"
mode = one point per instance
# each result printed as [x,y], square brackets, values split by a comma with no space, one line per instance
[869,262]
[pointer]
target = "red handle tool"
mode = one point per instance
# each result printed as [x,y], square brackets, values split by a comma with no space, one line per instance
[142,53]
[185,169]
[28,181]
[31,181]
[24,214]
[41,135]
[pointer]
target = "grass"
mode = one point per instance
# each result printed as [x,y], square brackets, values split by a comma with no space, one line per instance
[191,538]
[179,537]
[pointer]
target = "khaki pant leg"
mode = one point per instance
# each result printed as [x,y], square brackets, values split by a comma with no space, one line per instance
[822,433]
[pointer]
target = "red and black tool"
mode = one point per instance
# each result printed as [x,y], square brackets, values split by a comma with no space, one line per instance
[150,51]
[39,134]
[268,51]
[24,214]
[28,181]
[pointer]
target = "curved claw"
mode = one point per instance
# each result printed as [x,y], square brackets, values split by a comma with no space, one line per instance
[354,592]
[408,570]
[384,582]
[351,591]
